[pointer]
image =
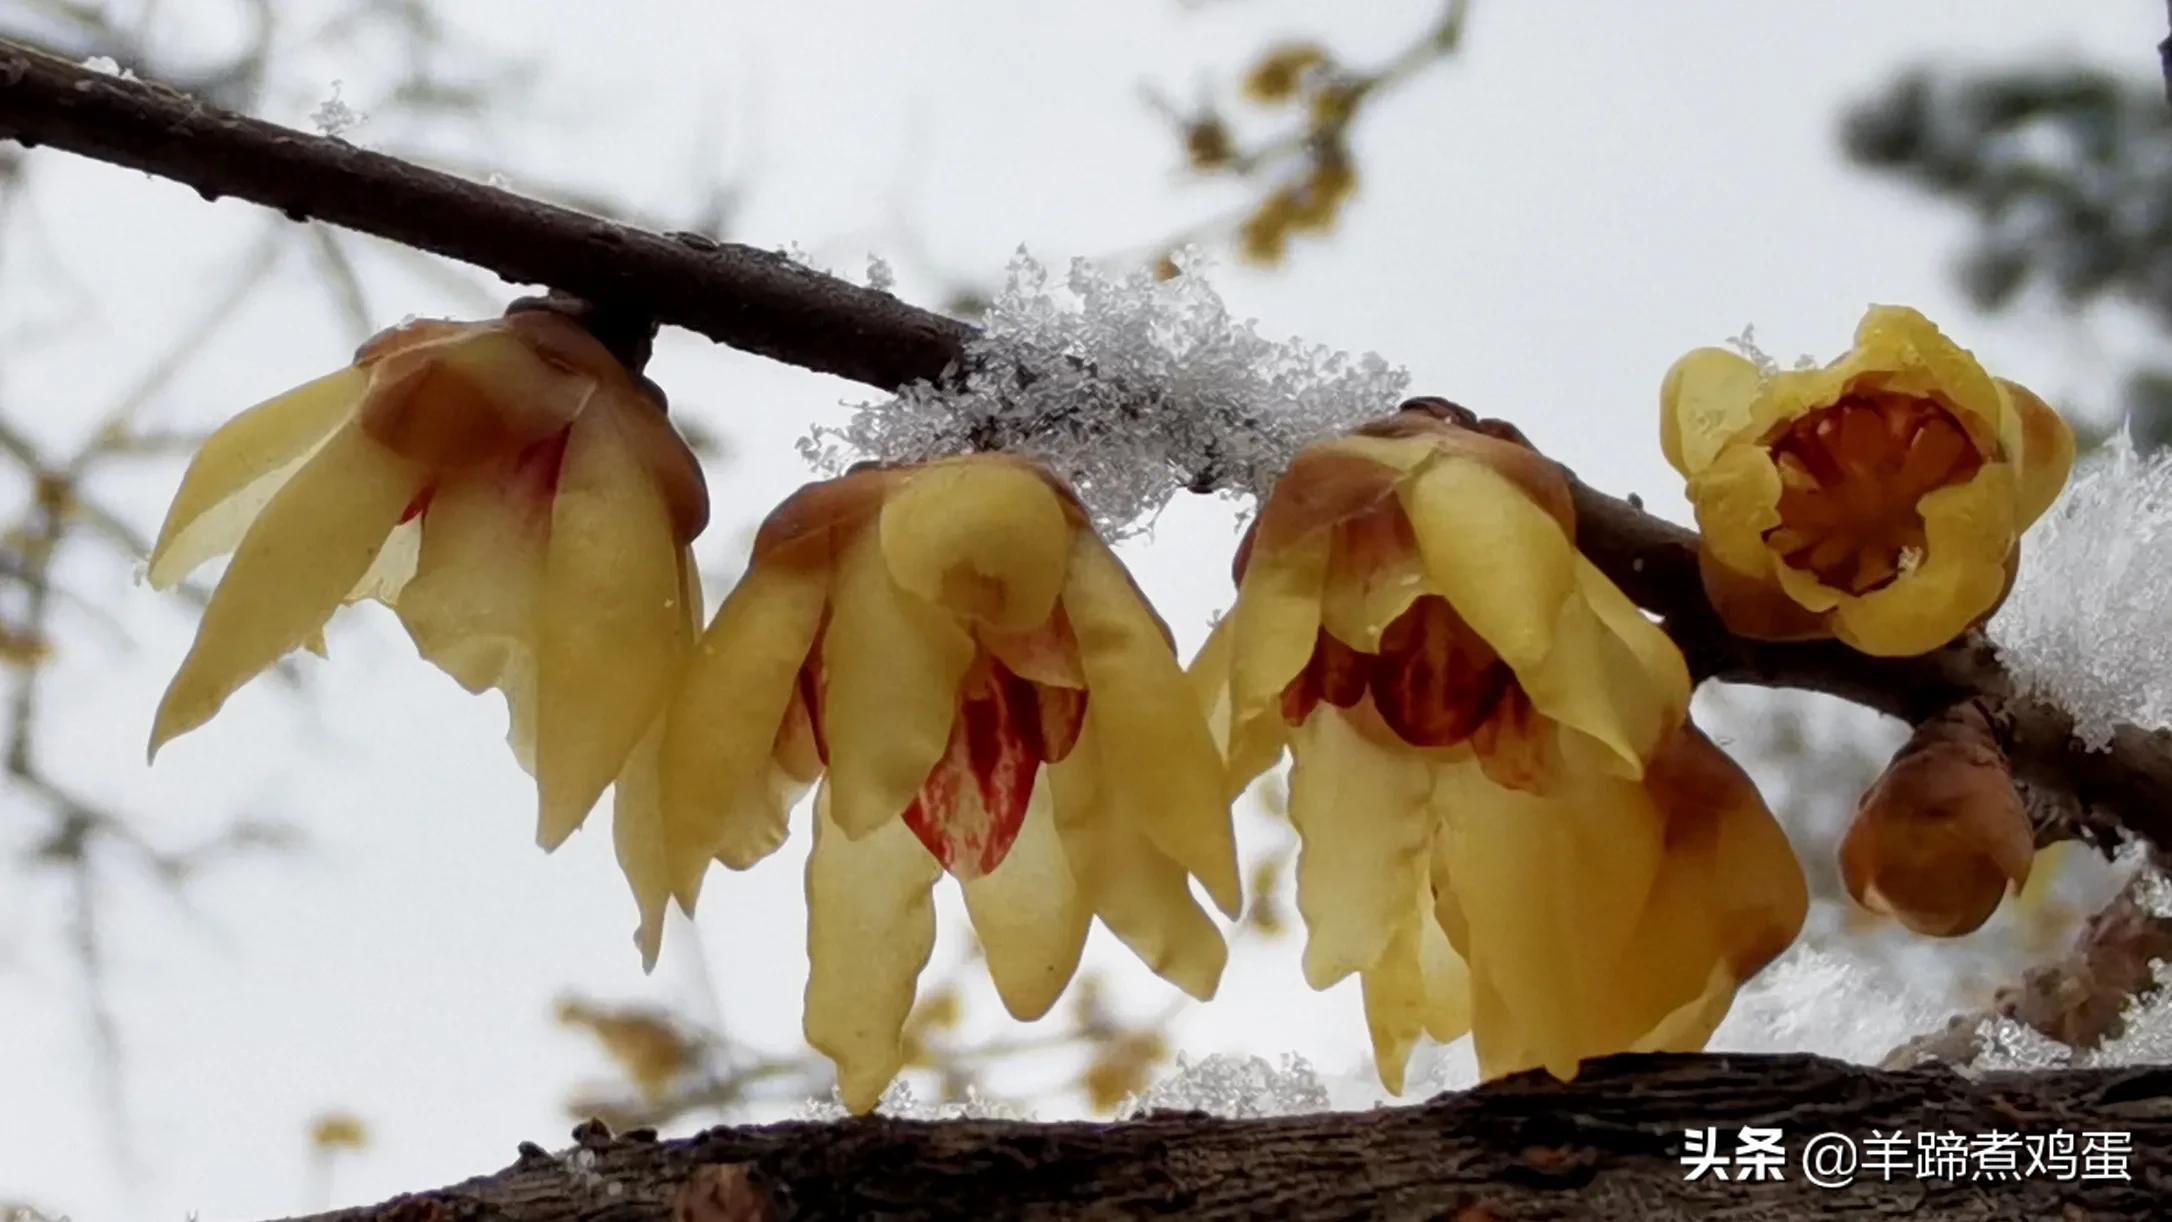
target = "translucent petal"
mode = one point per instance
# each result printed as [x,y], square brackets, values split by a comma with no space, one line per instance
[1246,754]
[892,663]
[1737,500]
[1968,530]
[1029,914]
[729,705]
[315,539]
[1549,891]
[2040,447]
[1900,340]
[1275,623]
[1612,674]
[473,606]
[1365,833]
[870,929]
[1703,404]
[1395,1002]
[1170,783]
[1142,896]
[612,603]
[1500,559]
[242,465]
[984,538]
[637,835]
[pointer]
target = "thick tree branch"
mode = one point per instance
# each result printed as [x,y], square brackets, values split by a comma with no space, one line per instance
[1608,1145]
[764,303]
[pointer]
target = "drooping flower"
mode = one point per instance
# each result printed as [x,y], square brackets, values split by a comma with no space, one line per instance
[1879,499]
[509,489]
[1507,824]
[979,688]
[1939,837]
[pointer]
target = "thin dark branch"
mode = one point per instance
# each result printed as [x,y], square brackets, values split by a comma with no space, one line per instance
[758,301]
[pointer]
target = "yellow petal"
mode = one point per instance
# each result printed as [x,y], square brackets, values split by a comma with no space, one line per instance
[1703,404]
[1029,914]
[1247,750]
[474,604]
[637,836]
[1418,986]
[315,539]
[1612,674]
[1968,530]
[1170,783]
[612,603]
[985,539]
[892,663]
[870,929]
[1737,499]
[1394,992]
[242,465]
[1365,836]
[1447,979]
[1916,357]
[1275,623]
[1548,890]
[1500,559]
[1142,896]
[2040,447]
[728,706]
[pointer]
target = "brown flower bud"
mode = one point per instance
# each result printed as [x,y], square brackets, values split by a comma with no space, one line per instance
[1940,835]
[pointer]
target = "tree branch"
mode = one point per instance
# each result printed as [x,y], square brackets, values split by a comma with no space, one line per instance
[1608,1145]
[764,303]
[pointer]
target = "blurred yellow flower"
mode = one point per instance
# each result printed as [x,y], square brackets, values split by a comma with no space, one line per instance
[338,1131]
[1879,499]
[1507,824]
[979,687]
[508,488]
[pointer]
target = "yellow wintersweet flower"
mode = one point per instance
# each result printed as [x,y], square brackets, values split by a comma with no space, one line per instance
[979,687]
[1879,499]
[509,489]
[1507,824]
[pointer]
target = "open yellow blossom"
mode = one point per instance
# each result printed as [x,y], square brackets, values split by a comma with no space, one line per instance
[509,489]
[979,688]
[1879,499]
[1507,824]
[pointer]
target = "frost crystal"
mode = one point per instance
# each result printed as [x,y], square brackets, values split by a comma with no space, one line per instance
[2008,1044]
[899,1102]
[2083,625]
[1746,344]
[106,65]
[1813,1000]
[879,276]
[1130,387]
[334,117]
[1240,1087]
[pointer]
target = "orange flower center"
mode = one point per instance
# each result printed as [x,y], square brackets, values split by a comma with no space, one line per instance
[1434,683]
[1850,478]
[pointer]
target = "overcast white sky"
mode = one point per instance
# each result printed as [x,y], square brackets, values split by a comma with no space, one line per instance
[1544,223]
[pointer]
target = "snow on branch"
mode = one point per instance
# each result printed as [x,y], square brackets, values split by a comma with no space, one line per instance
[1131,387]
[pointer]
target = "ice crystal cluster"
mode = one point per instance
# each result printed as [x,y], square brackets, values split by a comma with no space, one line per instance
[1240,1087]
[1131,387]
[2083,627]
[900,1102]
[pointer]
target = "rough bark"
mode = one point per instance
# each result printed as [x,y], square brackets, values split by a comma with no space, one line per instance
[1608,1145]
